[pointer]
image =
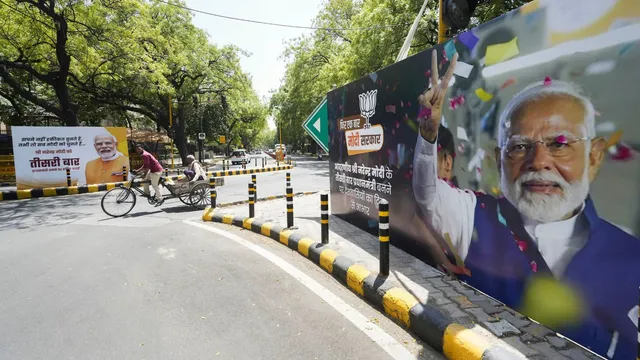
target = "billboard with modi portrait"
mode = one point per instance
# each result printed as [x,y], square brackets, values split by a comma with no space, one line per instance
[94,155]
[508,155]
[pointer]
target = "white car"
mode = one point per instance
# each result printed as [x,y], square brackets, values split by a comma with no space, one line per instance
[238,157]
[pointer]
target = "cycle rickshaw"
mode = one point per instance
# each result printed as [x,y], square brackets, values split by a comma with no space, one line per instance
[120,200]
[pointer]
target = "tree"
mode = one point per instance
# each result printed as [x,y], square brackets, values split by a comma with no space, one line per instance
[336,57]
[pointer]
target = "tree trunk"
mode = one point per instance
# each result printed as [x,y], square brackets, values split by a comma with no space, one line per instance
[180,137]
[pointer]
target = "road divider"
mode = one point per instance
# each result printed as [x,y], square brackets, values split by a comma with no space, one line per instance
[8,195]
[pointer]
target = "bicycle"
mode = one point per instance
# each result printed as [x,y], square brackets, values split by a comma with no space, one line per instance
[124,197]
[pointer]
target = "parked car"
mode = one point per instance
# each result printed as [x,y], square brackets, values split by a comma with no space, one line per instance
[238,157]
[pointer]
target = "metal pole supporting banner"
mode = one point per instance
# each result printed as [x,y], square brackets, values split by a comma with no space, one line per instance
[324,217]
[254,180]
[383,235]
[252,209]
[68,177]
[289,207]
[212,189]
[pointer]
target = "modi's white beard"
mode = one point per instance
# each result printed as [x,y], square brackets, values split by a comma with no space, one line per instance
[545,207]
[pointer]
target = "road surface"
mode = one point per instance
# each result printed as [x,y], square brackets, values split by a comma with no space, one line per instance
[160,284]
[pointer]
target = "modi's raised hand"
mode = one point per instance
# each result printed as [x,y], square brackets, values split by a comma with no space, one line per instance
[433,98]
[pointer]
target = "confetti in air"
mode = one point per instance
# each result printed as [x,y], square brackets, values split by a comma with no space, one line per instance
[508,83]
[562,140]
[547,81]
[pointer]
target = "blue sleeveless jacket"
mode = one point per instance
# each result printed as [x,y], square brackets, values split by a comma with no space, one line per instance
[606,272]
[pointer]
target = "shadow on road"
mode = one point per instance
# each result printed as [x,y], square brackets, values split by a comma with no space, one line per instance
[30,213]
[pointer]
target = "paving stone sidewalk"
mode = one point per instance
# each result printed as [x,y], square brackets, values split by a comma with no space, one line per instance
[465,305]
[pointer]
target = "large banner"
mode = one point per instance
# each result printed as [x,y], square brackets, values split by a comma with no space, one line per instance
[509,158]
[94,155]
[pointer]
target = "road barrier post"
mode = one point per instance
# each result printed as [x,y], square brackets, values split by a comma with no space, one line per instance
[288,179]
[324,217]
[68,177]
[254,180]
[383,235]
[212,189]
[252,209]
[289,207]
[124,173]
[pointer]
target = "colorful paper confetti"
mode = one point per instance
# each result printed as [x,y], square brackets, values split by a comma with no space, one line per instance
[483,95]
[462,134]
[498,53]
[614,139]
[463,69]
[390,108]
[547,81]
[374,77]
[450,49]
[469,39]
[508,83]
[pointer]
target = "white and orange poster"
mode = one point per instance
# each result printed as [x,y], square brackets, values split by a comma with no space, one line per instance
[94,155]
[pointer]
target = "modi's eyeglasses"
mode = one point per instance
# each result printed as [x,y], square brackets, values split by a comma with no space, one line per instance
[558,147]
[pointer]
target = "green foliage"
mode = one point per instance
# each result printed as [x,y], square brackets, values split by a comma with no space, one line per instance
[122,62]
[317,62]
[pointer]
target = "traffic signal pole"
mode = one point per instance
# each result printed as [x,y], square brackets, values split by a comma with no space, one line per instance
[442,28]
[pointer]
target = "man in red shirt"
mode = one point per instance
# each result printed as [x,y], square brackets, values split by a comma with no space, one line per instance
[153,171]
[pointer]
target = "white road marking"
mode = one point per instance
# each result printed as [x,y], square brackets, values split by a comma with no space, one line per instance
[374,332]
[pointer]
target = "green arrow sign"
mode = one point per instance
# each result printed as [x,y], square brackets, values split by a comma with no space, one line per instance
[317,125]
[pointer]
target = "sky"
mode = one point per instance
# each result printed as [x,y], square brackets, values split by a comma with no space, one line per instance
[265,43]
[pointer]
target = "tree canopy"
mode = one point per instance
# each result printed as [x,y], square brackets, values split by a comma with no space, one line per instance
[327,58]
[121,62]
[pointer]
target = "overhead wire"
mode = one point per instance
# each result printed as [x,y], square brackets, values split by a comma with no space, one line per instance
[279,24]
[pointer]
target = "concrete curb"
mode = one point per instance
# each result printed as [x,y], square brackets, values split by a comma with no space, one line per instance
[85,189]
[434,327]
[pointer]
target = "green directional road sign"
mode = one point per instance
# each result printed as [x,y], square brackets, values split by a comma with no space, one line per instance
[317,125]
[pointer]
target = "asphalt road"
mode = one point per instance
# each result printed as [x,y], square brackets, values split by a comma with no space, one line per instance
[76,284]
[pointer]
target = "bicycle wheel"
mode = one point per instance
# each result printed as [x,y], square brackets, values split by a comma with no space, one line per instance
[118,202]
[185,197]
[199,196]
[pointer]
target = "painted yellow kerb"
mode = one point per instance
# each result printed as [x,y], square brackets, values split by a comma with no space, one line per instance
[49,192]
[24,194]
[303,246]
[110,186]
[284,237]
[327,257]
[461,343]
[207,214]
[266,229]
[246,223]
[355,278]
[227,219]
[397,302]
[93,188]
[72,190]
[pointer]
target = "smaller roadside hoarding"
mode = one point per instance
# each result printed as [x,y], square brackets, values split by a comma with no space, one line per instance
[94,155]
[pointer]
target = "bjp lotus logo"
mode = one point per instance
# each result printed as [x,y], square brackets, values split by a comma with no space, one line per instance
[368,106]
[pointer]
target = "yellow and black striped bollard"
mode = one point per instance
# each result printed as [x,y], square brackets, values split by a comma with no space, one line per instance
[254,180]
[68,177]
[289,207]
[288,179]
[212,189]
[124,173]
[383,235]
[252,209]
[324,217]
